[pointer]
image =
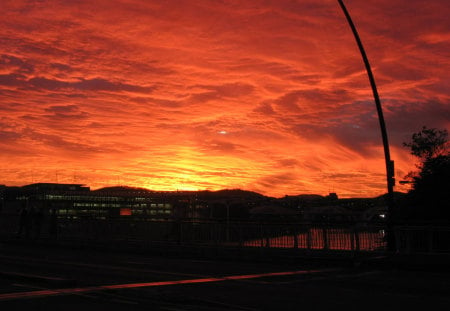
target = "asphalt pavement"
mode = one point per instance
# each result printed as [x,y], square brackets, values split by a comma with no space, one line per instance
[36,276]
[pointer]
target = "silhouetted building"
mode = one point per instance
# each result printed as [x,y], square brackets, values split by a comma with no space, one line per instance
[2,191]
[78,201]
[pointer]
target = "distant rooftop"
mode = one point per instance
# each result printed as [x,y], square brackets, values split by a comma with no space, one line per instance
[56,187]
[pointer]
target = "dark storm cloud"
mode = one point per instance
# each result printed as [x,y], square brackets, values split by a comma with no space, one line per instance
[265,109]
[61,67]
[64,144]
[12,79]
[307,100]
[10,136]
[288,162]
[409,117]
[97,84]
[219,146]
[67,109]
[16,64]
[227,90]
[275,180]
[65,113]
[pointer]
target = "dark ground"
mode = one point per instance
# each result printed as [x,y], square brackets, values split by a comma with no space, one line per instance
[325,284]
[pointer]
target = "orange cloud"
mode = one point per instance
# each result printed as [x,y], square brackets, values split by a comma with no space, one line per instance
[267,97]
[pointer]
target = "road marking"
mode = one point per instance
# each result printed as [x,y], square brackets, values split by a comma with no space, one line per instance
[69,291]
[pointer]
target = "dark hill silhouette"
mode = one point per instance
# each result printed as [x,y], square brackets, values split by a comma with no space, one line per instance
[239,194]
[230,194]
[308,197]
[122,189]
[397,196]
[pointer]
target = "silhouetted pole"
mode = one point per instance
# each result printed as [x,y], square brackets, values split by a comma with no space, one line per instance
[387,156]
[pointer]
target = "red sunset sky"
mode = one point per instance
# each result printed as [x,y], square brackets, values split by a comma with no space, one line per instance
[270,96]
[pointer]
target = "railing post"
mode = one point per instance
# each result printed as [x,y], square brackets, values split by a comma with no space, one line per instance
[180,232]
[352,238]
[357,241]
[261,235]
[217,231]
[308,238]
[408,241]
[397,240]
[430,240]
[267,239]
[295,236]
[240,235]
[325,238]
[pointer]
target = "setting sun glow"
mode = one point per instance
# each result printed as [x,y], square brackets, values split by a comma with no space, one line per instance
[265,96]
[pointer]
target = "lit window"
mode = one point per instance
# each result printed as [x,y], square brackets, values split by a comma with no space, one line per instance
[125,212]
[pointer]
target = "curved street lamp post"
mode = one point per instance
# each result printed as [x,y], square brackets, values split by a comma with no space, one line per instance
[389,163]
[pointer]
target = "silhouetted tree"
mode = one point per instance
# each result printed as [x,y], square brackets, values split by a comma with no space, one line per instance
[428,143]
[429,197]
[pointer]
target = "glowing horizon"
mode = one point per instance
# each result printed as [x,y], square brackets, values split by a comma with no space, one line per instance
[202,95]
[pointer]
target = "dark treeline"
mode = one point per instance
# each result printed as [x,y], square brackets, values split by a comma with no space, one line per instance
[429,197]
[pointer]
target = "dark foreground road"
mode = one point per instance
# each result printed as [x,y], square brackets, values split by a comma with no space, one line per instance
[37,277]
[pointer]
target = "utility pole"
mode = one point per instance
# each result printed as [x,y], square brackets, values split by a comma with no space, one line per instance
[389,163]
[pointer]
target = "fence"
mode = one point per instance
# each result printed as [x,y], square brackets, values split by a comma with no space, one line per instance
[422,239]
[367,237]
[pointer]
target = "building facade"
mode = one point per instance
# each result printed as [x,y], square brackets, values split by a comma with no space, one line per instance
[76,201]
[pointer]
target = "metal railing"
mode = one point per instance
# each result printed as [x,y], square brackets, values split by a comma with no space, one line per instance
[422,239]
[345,237]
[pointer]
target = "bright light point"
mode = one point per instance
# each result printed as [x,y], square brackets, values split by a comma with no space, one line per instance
[223,132]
